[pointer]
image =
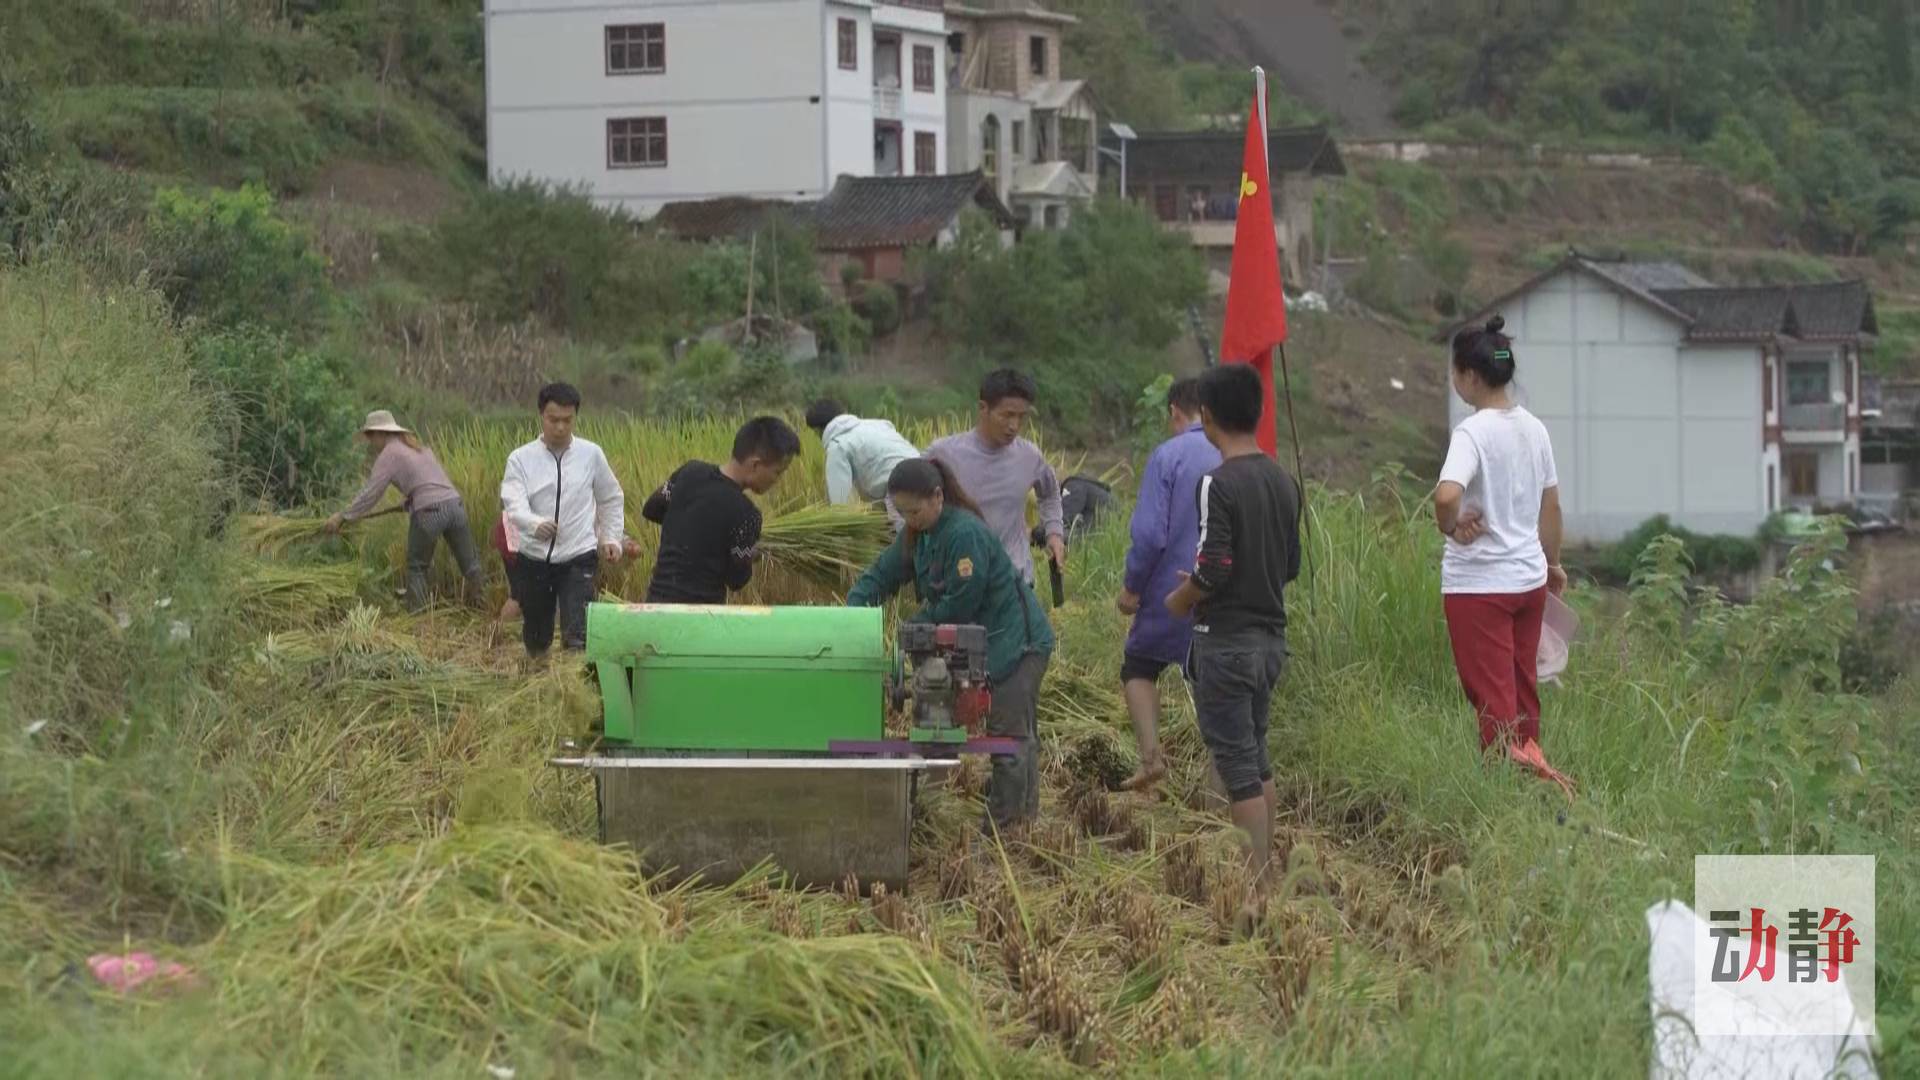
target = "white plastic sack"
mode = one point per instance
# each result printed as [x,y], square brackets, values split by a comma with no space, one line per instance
[1557,631]
[1766,1052]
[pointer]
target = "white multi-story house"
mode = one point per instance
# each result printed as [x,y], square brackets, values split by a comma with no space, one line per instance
[1013,115]
[647,102]
[1667,394]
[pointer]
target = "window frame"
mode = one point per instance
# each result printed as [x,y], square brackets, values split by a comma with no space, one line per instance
[928,141]
[1039,59]
[848,45]
[643,138]
[924,52]
[644,46]
[1826,382]
[1018,140]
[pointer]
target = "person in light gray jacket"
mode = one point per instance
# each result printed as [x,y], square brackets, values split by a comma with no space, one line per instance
[861,454]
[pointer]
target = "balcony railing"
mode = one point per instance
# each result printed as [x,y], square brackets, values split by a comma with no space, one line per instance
[886,103]
[923,5]
[1815,417]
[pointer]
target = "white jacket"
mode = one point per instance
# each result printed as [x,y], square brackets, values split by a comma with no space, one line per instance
[861,456]
[576,487]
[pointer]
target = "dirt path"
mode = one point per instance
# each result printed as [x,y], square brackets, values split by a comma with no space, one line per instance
[1301,42]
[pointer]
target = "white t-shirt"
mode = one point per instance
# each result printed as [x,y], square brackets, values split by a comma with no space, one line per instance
[1504,460]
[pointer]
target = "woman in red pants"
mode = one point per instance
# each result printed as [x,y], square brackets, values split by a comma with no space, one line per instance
[1498,503]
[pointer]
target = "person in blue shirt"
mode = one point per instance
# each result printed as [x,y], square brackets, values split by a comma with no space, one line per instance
[1166,532]
[962,575]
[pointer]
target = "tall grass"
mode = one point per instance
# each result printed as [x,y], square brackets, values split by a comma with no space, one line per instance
[343,820]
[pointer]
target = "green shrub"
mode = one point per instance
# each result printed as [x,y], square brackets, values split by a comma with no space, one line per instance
[1088,310]
[527,250]
[644,359]
[1710,555]
[228,259]
[880,305]
[290,421]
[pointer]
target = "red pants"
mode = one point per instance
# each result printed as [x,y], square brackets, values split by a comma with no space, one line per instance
[1496,647]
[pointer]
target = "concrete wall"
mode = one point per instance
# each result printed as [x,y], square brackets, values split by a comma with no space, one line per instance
[1640,424]
[967,112]
[802,120]
[849,98]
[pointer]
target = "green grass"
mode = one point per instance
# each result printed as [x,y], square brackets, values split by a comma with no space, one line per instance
[1897,353]
[277,136]
[347,829]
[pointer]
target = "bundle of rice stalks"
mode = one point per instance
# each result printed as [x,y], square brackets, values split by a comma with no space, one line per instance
[496,929]
[272,534]
[827,544]
[275,595]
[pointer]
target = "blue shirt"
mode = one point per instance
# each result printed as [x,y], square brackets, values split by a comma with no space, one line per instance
[1166,536]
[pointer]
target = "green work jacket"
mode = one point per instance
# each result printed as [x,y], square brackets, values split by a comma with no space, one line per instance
[963,576]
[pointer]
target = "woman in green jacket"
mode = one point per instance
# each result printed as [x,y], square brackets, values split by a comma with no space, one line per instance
[962,576]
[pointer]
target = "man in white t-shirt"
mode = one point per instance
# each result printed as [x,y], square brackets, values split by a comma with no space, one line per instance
[1498,503]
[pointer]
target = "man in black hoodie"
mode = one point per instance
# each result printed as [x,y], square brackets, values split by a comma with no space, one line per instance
[709,528]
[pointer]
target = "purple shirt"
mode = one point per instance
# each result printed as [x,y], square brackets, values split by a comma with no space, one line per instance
[1166,534]
[417,473]
[997,479]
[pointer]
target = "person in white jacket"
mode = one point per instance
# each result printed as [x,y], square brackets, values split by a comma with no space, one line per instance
[567,513]
[861,454]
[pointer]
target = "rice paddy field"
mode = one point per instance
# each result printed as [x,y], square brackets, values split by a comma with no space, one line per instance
[226,746]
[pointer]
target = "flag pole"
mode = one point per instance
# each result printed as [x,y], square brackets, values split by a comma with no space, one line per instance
[1299,470]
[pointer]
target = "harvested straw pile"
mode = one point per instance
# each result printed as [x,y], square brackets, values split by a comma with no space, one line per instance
[497,929]
[275,595]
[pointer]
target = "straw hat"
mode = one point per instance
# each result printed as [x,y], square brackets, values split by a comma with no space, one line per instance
[382,420]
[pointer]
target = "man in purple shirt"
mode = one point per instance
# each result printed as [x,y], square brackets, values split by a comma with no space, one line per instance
[997,468]
[1166,531]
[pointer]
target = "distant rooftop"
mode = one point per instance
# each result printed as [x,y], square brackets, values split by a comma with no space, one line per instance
[1829,311]
[900,211]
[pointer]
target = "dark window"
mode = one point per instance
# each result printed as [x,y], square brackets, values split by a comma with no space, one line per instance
[637,142]
[1166,202]
[923,68]
[1773,497]
[1809,383]
[990,146]
[1037,56]
[637,49]
[1766,387]
[1019,137]
[925,154]
[849,45]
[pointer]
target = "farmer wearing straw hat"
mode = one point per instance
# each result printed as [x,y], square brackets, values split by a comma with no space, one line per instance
[434,509]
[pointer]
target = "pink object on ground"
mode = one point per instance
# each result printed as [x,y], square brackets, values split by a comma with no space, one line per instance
[124,972]
[1558,627]
[1527,754]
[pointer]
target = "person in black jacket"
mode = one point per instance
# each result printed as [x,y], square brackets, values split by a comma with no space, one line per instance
[1249,552]
[709,528]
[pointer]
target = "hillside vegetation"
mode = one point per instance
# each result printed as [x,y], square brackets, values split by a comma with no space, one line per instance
[1813,100]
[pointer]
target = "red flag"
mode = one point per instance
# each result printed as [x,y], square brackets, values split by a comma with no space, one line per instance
[1256,308]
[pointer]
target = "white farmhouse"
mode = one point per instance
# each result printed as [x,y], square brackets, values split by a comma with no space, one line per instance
[1667,394]
[648,102]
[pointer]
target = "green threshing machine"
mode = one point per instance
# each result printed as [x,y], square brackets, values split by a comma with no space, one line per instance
[736,734]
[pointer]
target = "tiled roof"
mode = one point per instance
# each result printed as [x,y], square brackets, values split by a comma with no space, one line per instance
[1184,155]
[1648,276]
[1054,178]
[1053,95]
[899,211]
[725,218]
[1829,311]
[1840,309]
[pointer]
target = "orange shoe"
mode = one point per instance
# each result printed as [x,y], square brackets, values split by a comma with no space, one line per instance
[1528,755]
